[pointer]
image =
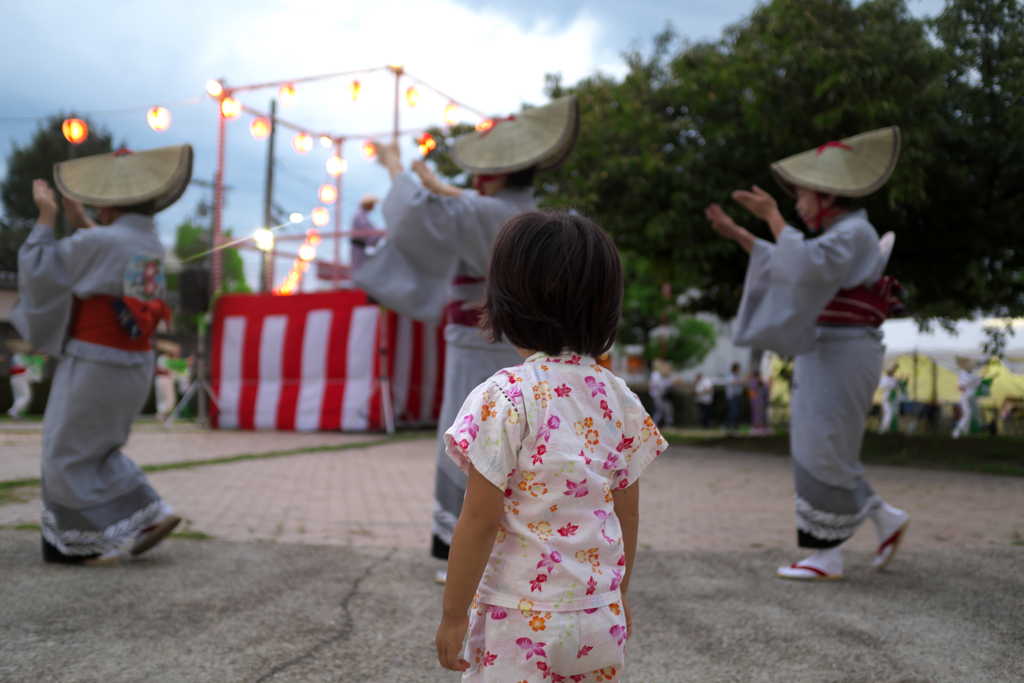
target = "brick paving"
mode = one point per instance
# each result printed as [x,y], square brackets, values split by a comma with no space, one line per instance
[152,444]
[693,498]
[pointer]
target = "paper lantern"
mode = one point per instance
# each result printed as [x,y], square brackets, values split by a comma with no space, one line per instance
[230,108]
[412,96]
[295,217]
[451,114]
[369,150]
[215,88]
[325,141]
[313,236]
[426,143]
[259,127]
[158,118]
[75,131]
[307,252]
[287,96]
[486,124]
[354,88]
[302,142]
[336,166]
[327,194]
[320,216]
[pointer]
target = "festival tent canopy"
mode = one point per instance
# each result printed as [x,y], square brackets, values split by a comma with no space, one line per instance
[903,337]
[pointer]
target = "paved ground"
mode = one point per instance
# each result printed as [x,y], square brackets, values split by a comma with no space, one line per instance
[290,607]
[220,611]
[152,444]
[693,498]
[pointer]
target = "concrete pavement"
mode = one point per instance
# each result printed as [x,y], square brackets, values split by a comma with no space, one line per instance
[220,611]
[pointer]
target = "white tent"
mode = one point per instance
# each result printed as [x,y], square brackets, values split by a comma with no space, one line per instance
[903,338]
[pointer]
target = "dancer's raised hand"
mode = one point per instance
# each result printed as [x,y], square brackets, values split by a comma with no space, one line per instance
[45,200]
[390,157]
[723,224]
[758,202]
[76,214]
[726,227]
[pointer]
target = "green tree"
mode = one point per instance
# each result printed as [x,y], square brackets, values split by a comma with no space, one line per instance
[190,240]
[35,160]
[974,258]
[683,129]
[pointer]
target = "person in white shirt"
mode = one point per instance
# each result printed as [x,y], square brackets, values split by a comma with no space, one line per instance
[969,381]
[733,392]
[890,387]
[663,378]
[705,392]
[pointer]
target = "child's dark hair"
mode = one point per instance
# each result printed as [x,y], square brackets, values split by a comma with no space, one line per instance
[554,284]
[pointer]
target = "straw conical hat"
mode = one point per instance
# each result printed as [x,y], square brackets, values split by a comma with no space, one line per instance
[19,345]
[854,167]
[541,137]
[965,363]
[663,366]
[126,178]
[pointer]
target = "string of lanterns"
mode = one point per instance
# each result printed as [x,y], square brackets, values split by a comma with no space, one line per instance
[159,119]
[300,265]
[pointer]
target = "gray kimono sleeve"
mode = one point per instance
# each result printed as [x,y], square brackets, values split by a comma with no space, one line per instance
[48,271]
[789,283]
[428,236]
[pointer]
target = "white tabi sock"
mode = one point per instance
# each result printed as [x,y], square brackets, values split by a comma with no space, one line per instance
[824,564]
[888,521]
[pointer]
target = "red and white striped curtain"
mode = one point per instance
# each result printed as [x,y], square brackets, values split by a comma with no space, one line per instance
[310,362]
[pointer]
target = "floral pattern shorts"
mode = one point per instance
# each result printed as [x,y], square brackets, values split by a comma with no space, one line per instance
[524,646]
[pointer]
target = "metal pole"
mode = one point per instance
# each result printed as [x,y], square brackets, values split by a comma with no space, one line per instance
[336,268]
[398,86]
[218,201]
[385,340]
[268,198]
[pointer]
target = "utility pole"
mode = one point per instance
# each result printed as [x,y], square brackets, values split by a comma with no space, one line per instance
[266,270]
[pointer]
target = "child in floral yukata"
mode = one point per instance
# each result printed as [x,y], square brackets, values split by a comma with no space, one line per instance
[553,449]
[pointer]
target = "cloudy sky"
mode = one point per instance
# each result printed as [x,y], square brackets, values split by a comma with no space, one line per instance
[102,57]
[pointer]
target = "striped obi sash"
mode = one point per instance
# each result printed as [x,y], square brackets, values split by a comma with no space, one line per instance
[864,305]
[457,312]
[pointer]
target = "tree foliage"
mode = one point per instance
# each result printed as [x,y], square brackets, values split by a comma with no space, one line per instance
[691,122]
[35,160]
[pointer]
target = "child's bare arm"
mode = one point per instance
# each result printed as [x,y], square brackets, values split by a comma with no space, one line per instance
[471,546]
[627,509]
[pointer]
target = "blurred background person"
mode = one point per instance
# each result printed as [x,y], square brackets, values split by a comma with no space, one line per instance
[704,390]
[733,393]
[364,233]
[26,370]
[663,378]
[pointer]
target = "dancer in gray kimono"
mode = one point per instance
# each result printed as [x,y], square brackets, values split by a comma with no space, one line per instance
[94,300]
[439,244]
[822,300]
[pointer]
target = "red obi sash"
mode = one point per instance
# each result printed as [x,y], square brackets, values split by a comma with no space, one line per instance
[17,371]
[455,312]
[122,323]
[863,305]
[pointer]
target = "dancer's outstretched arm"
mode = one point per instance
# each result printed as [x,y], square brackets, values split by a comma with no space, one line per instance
[726,227]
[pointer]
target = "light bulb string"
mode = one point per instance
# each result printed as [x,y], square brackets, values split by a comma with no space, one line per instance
[125,110]
[240,240]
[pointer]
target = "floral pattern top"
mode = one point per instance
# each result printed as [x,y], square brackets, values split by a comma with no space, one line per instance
[557,435]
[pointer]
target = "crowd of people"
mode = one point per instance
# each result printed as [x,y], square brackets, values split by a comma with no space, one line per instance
[540,448]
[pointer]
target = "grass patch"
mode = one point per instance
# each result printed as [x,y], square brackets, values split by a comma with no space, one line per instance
[185,464]
[18,490]
[192,535]
[984,454]
[20,527]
